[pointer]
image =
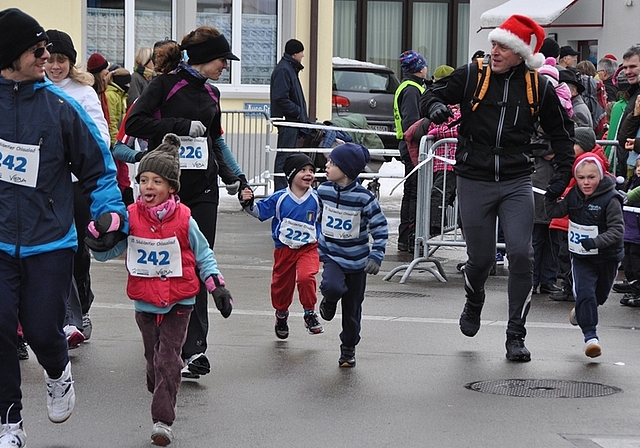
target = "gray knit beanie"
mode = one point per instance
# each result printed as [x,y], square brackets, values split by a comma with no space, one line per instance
[164,161]
[585,137]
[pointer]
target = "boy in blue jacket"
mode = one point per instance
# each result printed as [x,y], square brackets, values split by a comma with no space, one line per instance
[350,213]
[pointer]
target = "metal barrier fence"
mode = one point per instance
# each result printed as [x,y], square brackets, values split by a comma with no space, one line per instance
[248,135]
[450,235]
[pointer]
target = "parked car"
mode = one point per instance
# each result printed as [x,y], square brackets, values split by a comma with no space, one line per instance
[368,89]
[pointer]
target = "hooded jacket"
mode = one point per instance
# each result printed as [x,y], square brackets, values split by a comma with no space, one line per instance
[35,220]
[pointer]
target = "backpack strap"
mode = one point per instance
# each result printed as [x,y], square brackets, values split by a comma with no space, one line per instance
[533,92]
[484,75]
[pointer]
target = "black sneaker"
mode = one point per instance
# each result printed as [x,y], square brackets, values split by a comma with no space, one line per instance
[562,296]
[623,287]
[312,324]
[628,296]
[23,352]
[327,309]
[470,319]
[516,351]
[282,329]
[347,356]
[196,365]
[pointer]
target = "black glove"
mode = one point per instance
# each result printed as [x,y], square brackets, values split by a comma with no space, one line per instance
[245,203]
[439,113]
[588,243]
[557,184]
[127,196]
[140,155]
[104,243]
[105,232]
[221,296]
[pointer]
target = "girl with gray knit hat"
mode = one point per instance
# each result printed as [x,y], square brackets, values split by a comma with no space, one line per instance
[165,254]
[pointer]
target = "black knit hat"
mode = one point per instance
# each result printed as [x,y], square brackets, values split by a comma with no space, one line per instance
[62,44]
[550,48]
[18,32]
[293,46]
[164,161]
[294,163]
[351,158]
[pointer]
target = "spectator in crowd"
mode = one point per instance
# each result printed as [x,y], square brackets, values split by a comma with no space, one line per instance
[606,69]
[406,111]
[631,261]
[143,73]
[550,49]
[567,58]
[581,113]
[287,102]
[631,69]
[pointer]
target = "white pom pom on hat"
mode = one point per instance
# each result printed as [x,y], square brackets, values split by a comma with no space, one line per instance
[515,33]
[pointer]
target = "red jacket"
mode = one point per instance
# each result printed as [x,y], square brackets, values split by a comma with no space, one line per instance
[164,291]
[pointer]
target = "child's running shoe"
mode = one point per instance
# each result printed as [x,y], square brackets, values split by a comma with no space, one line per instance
[74,336]
[195,366]
[347,356]
[499,258]
[327,309]
[13,436]
[572,317]
[161,434]
[282,329]
[592,348]
[311,322]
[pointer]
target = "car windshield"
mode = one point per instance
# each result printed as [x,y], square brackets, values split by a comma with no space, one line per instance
[356,81]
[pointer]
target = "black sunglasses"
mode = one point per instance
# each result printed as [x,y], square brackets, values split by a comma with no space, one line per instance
[39,51]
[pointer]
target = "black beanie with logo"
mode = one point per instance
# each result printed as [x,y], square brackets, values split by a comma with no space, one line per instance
[18,32]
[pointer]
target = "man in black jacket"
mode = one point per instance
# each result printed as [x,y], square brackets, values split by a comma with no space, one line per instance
[493,164]
[287,102]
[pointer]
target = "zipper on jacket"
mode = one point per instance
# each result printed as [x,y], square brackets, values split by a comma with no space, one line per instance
[503,111]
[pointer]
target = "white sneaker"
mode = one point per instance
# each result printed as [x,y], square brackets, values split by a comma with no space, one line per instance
[73,335]
[13,436]
[592,348]
[572,317]
[161,434]
[61,397]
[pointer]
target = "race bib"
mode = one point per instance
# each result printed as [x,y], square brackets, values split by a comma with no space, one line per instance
[154,258]
[194,153]
[296,234]
[19,163]
[578,232]
[340,224]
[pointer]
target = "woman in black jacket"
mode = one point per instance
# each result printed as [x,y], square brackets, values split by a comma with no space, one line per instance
[182,102]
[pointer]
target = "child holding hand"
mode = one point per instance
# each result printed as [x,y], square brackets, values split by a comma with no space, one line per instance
[350,213]
[294,228]
[596,228]
[165,252]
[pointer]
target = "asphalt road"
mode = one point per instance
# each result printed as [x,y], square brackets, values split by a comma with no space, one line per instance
[408,389]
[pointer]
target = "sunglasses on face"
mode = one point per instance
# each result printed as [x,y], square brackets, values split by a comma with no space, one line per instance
[38,52]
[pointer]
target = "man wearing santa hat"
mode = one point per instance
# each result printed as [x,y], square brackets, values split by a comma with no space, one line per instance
[493,164]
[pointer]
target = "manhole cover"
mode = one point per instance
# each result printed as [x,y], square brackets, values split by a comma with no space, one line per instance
[393,294]
[543,388]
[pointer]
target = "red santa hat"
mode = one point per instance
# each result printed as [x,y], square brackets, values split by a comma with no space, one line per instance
[515,33]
